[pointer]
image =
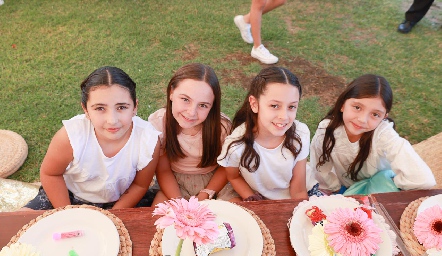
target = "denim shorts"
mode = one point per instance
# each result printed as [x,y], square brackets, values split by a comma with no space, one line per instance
[41,201]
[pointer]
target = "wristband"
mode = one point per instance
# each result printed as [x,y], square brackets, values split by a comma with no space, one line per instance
[210,192]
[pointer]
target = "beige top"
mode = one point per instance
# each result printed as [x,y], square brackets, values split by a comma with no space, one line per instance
[191,145]
[388,151]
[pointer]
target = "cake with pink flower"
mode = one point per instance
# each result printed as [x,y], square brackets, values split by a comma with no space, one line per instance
[339,226]
[196,222]
[428,225]
[344,231]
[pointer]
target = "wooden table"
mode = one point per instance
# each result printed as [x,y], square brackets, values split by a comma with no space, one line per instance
[275,214]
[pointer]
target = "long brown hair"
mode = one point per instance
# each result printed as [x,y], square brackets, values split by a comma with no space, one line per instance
[211,127]
[365,86]
[247,116]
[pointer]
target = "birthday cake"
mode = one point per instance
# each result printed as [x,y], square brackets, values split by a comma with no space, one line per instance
[428,225]
[339,226]
[19,249]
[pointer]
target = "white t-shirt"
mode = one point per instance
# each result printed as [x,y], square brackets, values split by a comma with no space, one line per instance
[272,178]
[93,177]
[388,152]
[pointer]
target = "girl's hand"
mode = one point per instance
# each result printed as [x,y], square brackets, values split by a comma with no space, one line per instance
[255,197]
[202,196]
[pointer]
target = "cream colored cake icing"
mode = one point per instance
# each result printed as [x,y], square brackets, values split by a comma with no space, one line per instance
[19,249]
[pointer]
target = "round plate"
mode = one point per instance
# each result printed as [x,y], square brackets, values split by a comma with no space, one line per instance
[247,233]
[429,202]
[301,226]
[100,236]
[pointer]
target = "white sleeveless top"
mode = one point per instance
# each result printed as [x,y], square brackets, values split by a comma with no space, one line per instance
[95,178]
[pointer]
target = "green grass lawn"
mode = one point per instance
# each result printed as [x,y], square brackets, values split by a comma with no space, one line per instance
[47,47]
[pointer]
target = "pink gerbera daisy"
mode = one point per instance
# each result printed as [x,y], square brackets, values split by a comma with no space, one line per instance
[191,219]
[428,227]
[351,232]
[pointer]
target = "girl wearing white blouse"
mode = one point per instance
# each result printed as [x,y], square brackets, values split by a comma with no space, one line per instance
[356,149]
[265,156]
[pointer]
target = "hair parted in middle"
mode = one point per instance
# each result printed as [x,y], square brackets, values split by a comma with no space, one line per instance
[250,159]
[211,127]
[107,76]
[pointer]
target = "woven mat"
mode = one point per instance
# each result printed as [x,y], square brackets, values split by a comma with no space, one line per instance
[268,243]
[13,152]
[406,226]
[125,242]
[430,150]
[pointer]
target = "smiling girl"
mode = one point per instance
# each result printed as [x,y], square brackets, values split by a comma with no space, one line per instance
[265,156]
[105,157]
[356,149]
[193,132]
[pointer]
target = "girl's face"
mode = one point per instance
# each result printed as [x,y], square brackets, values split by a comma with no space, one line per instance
[362,115]
[276,109]
[110,109]
[191,103]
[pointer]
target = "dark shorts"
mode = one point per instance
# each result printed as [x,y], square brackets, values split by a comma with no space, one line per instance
[41,201]
[315,191]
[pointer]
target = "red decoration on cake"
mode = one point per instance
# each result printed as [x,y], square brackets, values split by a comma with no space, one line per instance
[315,214]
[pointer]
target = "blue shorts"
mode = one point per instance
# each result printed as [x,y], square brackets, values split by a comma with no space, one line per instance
[41,201]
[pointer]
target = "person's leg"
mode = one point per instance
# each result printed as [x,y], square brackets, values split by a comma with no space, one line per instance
[160,197]
[418,10]
[254,17]
[40,202]
[414,14]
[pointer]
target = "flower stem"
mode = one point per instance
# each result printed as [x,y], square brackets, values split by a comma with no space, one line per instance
[178,248]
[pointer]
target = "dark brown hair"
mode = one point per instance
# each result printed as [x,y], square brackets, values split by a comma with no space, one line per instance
[211,127]
[365,86]
[247,116]
[107,76]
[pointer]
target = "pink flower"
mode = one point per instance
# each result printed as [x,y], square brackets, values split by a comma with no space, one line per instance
[351,232]
[428,227]
[191,219]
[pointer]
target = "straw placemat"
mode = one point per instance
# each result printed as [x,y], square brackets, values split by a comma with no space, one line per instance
[13,152]
[125,242]
[430,150]
[268,242]
[406,226]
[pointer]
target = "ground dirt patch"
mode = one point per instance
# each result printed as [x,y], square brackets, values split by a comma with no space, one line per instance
[315,80]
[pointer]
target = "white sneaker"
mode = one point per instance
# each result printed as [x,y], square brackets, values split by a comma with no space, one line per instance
[263,55]
[244,28]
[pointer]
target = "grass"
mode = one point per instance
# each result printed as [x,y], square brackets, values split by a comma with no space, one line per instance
[47,47]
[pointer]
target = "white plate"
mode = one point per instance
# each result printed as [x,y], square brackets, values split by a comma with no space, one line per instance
[301,226]
[429,202]
[247,233]
[100,236]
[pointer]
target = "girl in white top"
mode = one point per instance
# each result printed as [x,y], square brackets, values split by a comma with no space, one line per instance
[266,154]
[105,157]
[356,145]
[193,132]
